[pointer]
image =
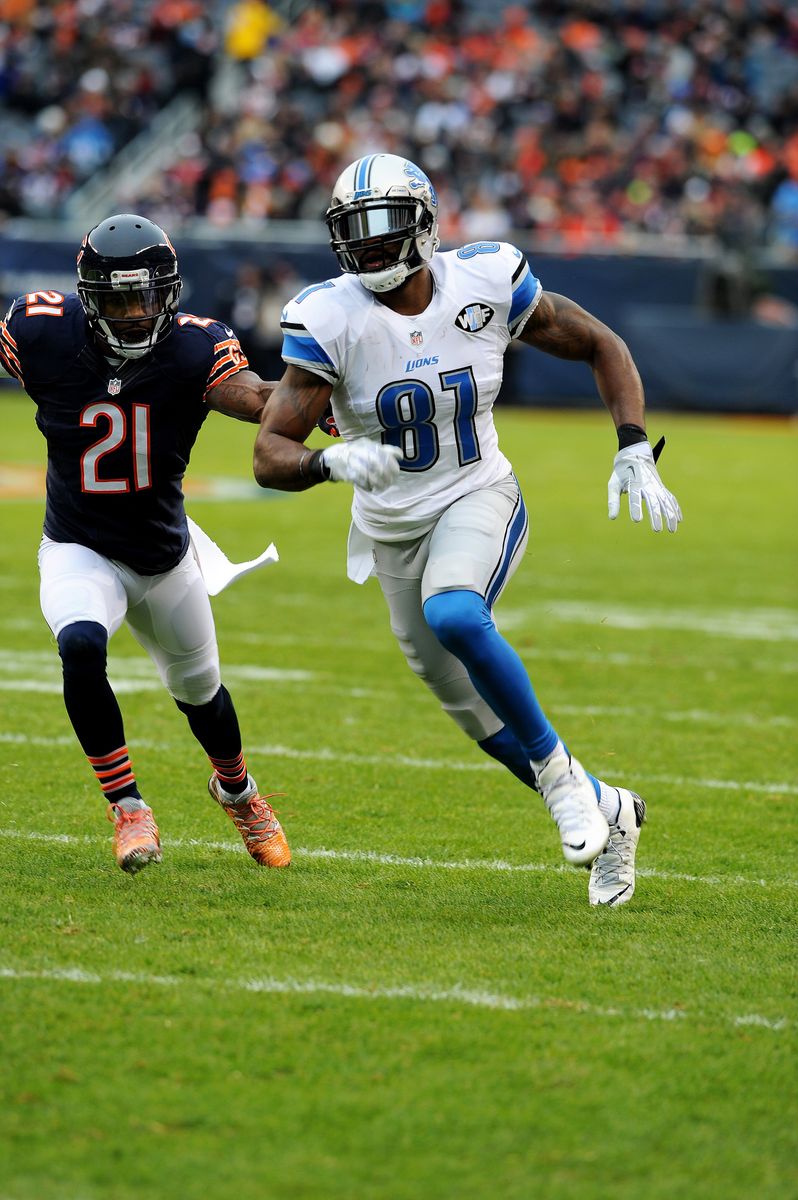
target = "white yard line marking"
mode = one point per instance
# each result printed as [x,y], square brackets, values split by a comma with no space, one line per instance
[725,785]
[323,754]
[135,682]
[765,1022]
[688,715]
[32,739]
[38,670]
[754,624]
[617,658]
[397,860]
[122,687]
[419,993]
[783,666]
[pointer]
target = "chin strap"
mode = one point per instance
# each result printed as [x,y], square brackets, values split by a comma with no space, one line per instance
[387,280]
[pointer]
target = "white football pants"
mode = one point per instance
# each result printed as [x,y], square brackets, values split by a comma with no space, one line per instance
[169,615]
[475,546]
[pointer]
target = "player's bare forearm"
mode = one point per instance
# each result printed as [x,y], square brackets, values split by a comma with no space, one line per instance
[560,327]
[281,459]
[242,396]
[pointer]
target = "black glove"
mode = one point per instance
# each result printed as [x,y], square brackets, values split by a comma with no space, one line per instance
[326,423]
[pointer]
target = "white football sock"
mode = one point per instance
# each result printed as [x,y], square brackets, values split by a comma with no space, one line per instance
[237,797]
[129,803]
[609,802]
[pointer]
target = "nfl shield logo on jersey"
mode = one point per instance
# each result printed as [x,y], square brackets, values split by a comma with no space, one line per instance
[416,337]
[114,387]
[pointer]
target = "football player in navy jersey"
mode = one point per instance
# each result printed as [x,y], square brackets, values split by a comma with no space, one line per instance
[122,382]
[408,345]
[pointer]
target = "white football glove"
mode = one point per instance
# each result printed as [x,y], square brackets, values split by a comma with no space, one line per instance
[634,471]
[364,463]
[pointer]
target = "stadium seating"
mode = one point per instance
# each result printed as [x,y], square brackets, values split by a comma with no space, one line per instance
[591,125]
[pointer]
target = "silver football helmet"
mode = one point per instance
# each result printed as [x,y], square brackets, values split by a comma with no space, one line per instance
[383,220]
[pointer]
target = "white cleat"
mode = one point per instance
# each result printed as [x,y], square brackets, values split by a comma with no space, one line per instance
[571,800]
[612,879]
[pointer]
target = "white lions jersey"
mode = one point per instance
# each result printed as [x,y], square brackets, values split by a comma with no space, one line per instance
[425,383]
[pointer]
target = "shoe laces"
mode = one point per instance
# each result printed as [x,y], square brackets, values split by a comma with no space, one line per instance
[256,814]
[127,823]
[615,856]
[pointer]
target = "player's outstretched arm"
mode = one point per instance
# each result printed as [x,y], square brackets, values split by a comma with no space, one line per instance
[559,326]
[282,460]
[242,396]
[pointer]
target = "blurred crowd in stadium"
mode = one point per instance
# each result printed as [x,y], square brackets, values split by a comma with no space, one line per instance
[587,122]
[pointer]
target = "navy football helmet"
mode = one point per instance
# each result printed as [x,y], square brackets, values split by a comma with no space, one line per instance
[128,284]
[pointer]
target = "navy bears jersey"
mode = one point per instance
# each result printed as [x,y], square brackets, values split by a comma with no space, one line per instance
[119,433]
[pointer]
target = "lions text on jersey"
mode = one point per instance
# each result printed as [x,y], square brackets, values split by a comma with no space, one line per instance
[424,383]
[119,433]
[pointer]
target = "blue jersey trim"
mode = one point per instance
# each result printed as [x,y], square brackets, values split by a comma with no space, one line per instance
[305,349]
[514,536]
[524,294]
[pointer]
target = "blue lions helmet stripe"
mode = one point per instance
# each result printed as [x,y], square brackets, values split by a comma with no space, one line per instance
[363,171]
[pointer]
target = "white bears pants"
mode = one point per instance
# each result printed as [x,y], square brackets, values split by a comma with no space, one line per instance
[169,615]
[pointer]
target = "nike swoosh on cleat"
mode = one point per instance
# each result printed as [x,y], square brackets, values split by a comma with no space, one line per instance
[618,895]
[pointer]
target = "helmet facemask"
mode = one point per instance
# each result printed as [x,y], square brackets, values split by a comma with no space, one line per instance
[128,284]
[382,239]
[130,310]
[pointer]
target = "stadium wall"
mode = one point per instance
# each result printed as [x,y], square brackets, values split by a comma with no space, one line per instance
[697,346]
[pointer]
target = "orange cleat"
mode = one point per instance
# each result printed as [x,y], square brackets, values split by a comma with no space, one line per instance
[255,821]
[136,839]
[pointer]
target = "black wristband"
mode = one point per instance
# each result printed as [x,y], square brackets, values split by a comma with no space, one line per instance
[630,435]
[311,466]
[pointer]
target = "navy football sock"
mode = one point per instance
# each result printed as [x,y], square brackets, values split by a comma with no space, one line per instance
[215,726]
[506,748]
[462,623]
[93,708]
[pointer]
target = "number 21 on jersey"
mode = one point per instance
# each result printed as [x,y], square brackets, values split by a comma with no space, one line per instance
[112,439]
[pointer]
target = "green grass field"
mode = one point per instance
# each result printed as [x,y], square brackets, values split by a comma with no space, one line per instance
[424,1006]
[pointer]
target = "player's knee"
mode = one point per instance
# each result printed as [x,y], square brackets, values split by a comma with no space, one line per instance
[472,715]
[458,619]
[193,686]
[214,707]
[408,647]
[83,647]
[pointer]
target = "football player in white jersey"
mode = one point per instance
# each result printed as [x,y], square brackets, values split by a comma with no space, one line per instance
[407,346]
